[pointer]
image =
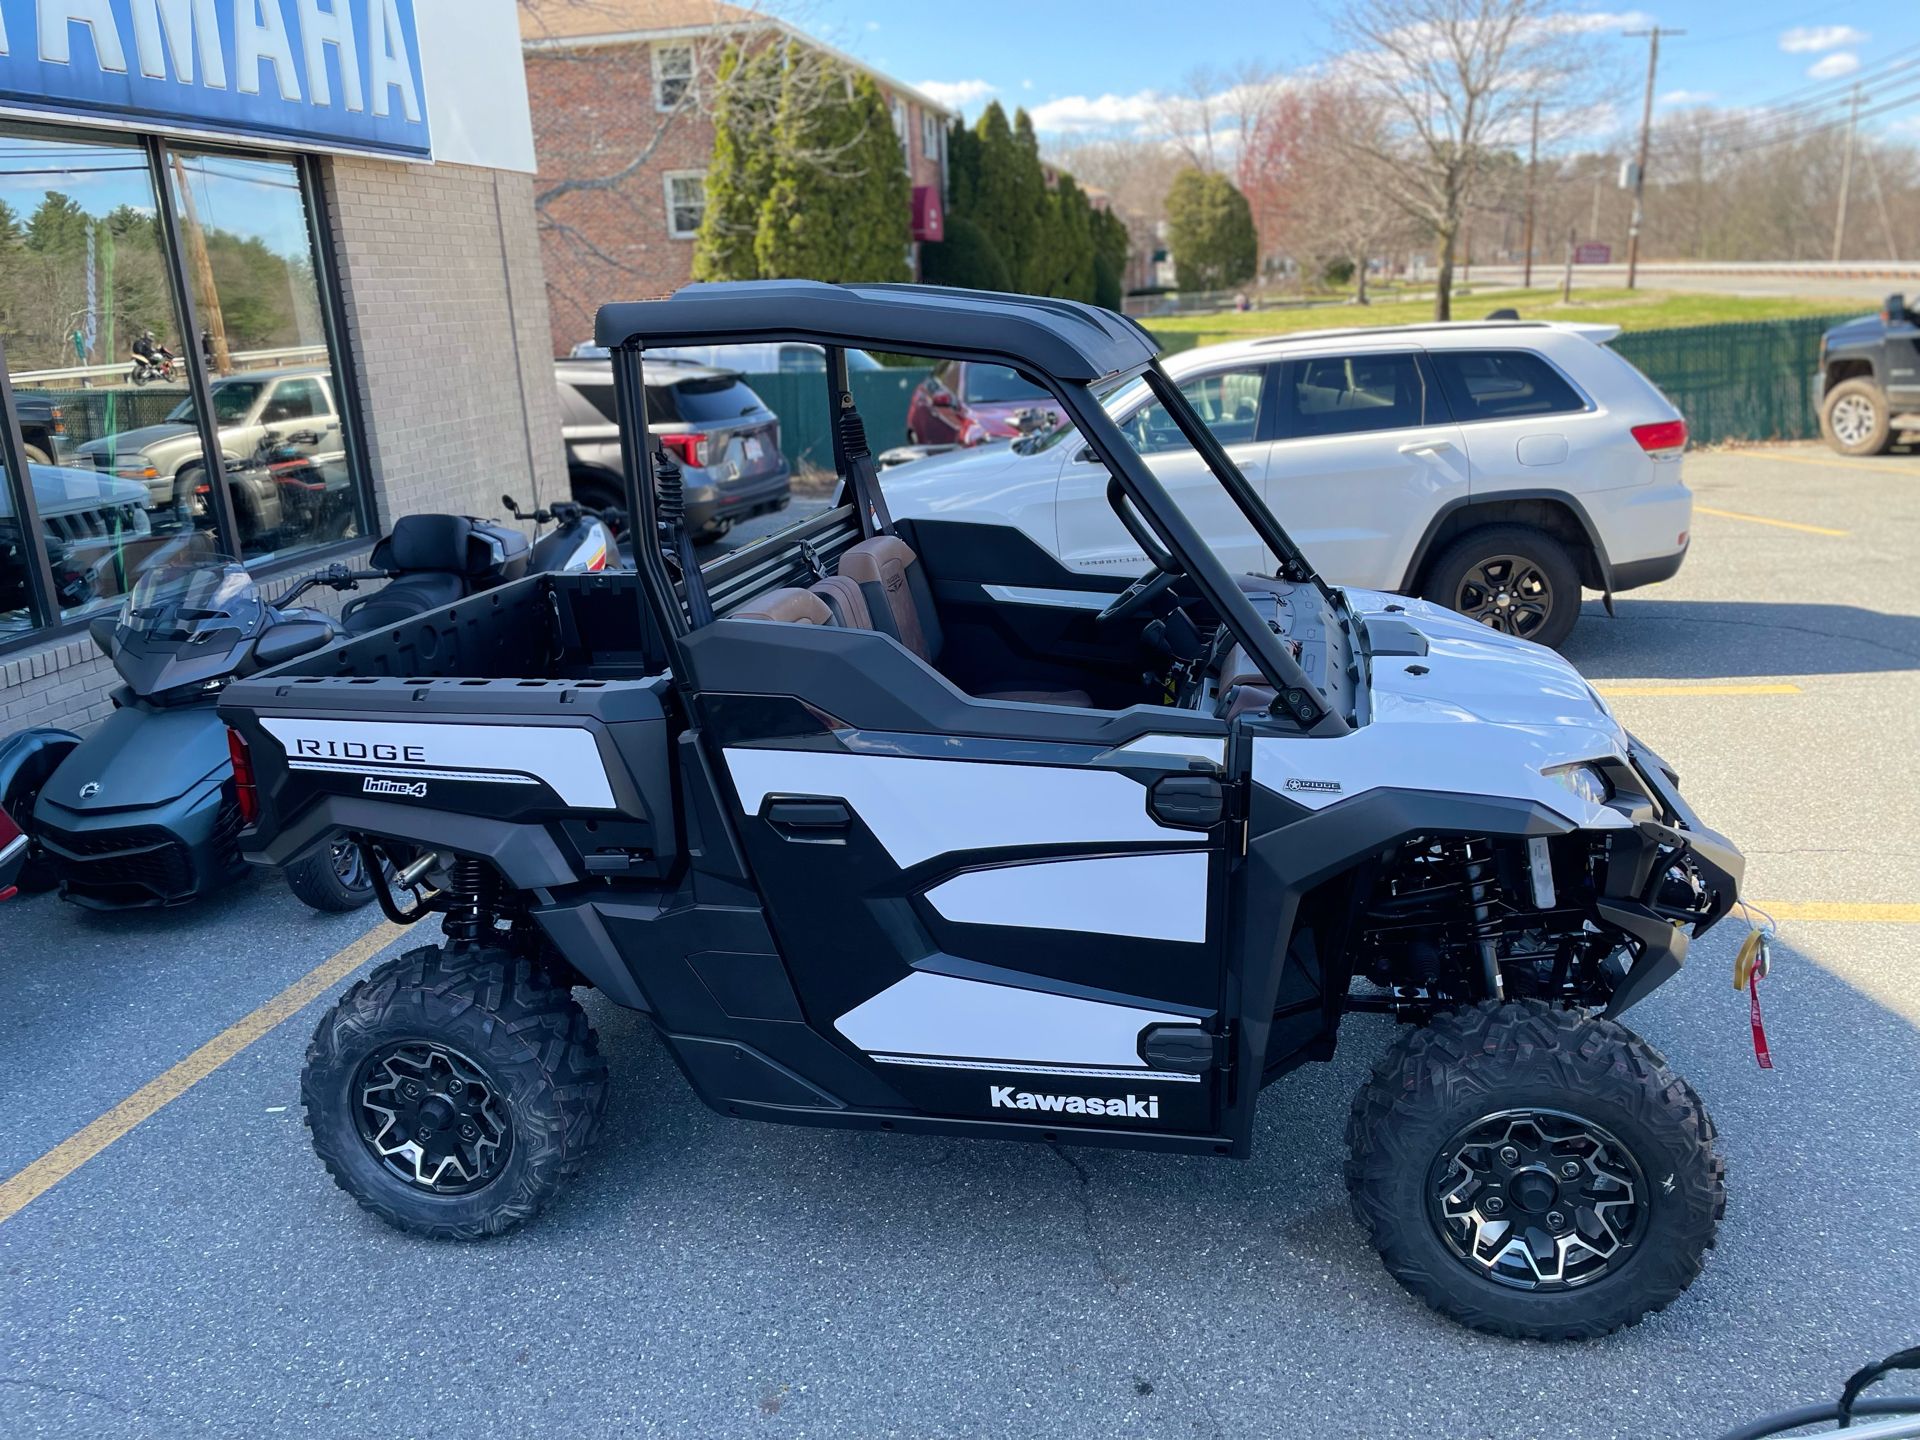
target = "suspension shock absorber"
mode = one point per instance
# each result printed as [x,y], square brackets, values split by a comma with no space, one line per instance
[1486,931]
[470,902]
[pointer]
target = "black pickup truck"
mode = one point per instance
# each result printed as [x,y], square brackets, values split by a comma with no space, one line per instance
[1868,385]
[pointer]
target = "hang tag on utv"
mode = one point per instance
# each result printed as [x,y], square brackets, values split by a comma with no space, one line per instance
[1750,966]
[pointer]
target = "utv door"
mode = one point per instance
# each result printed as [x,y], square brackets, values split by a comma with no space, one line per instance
[1011,913]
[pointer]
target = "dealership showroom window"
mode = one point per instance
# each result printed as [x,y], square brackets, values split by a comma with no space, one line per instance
[298,239]
[114,438]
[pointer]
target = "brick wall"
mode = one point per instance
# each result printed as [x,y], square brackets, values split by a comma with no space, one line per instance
[447,324]
[593,118]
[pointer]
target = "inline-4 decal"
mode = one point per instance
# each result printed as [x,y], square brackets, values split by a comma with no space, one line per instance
[563,757]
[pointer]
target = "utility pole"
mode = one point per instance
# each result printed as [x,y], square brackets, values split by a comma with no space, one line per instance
[1646,134]
[1846,177]
[209,296]
[1880,204]
[1533,158]
[1593,220]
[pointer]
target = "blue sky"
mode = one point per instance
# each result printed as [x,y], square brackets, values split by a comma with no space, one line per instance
[1081,65]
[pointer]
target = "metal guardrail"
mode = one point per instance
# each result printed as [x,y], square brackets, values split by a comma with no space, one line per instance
[280,358]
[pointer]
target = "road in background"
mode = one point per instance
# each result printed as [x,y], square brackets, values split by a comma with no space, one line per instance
[708,1277]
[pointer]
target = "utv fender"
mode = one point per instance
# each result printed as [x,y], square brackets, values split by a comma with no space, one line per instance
[525,855]
[1499,507]
[33,755]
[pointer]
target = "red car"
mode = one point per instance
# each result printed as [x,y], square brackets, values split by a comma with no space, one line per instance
[967,403]
[13,854]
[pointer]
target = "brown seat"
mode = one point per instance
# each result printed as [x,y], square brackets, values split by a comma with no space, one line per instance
[892,584]
[791,606]
[843,598]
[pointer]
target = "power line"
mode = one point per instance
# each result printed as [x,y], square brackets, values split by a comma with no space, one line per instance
[1784,108]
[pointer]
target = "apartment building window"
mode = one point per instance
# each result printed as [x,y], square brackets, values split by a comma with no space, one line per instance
[686,202]
[930,135]
[672,75]
[900,129]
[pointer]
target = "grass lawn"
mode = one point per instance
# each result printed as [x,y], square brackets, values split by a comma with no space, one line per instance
[1631,309]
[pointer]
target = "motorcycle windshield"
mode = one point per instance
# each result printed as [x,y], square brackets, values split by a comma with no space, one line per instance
[194,601]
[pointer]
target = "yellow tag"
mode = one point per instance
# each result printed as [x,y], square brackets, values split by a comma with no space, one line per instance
[1748,957]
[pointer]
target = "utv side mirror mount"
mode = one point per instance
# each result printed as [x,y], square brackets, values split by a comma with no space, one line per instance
[289,641]
[1894,311]
[102,628]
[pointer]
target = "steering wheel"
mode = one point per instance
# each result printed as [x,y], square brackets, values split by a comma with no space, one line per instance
[1137,596]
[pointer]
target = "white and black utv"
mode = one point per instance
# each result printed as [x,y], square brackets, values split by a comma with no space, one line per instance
[908,827]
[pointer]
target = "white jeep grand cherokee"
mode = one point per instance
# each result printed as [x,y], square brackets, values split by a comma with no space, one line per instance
[1496,467]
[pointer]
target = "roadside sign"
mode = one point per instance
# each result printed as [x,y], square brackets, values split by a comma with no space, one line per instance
[1592,253]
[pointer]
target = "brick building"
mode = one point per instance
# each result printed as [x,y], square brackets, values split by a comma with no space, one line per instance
[619,92]
[346,258]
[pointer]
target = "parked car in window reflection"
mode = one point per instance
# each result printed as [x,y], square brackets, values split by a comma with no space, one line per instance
[255,411]
[97,535]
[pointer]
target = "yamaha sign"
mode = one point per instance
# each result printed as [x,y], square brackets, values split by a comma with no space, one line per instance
[336,74]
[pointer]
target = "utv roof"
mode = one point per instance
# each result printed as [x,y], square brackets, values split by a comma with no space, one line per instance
[1062,338]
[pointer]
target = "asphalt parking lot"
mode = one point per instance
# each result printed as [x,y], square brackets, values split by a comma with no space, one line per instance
[199,1275]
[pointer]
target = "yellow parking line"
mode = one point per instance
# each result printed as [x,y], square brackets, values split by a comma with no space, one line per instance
[1834,462]
[1768,520]
[1612,691]
[1858,912]
[22,1189]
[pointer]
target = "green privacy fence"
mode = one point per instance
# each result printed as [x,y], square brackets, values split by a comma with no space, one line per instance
[800,401]
[1750,381]
[1747,381]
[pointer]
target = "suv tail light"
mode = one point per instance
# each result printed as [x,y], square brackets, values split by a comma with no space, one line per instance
[691,448]
[1663,441]
[245,791]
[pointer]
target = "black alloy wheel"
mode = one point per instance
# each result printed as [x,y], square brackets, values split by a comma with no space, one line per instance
[1537,1199]
[1508,593]
[433,1117]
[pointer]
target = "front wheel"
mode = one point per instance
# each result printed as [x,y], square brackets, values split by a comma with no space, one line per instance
[1534,1172]
[1854,419]
[334,880]
[1511,578]
[452,1094]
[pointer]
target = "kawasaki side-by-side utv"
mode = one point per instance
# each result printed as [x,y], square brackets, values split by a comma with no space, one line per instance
[910,827]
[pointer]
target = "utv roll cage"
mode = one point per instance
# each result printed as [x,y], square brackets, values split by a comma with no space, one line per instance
[1072,349]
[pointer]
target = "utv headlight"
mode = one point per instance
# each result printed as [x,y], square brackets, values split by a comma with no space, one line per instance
[1586,781]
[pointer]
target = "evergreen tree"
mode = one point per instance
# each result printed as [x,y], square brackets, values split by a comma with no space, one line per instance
[838,205]
[999,207]
[1072,235]
[966,258]
[1110,246]
[1210,230]
[963,169]
[1035,260]
[746,94]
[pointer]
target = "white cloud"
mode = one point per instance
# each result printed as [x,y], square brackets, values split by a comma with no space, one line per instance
[1688,97]
[1074,113]
[872,26]
[955,94]
[1812,39]
[1832,67]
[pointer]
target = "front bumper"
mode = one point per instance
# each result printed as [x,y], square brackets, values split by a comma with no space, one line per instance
[1638,864]
[140,859]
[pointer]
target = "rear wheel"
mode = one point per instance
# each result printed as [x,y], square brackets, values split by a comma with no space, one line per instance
[1511,578]
[335,879]
[1854,418]
[1534,1172]
[453,1094]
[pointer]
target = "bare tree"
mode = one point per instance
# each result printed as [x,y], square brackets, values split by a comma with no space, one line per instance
[1309,172]
[1454,80]
[1215,113]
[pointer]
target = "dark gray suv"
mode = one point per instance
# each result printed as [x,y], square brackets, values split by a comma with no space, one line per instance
[726,440]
